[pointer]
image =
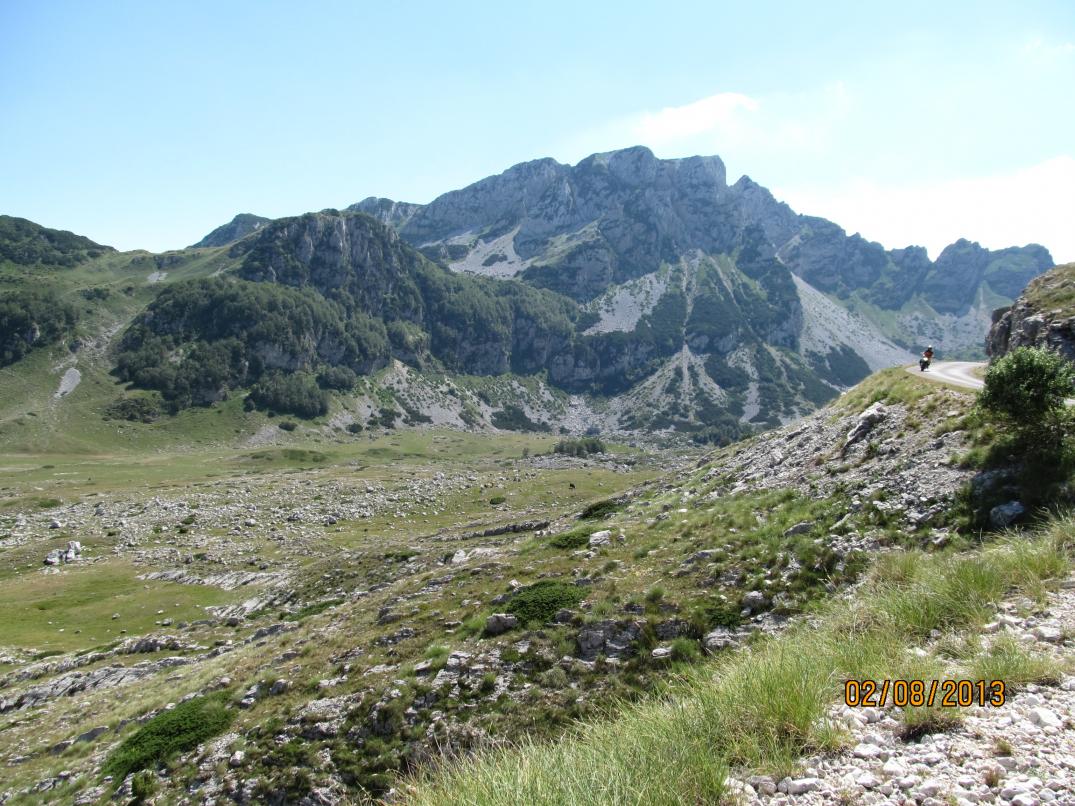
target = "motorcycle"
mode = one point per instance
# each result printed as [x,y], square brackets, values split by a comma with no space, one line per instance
[923,364]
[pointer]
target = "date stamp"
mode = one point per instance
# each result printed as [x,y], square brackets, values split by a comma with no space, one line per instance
[918,693]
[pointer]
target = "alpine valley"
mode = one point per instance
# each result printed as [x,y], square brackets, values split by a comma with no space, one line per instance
[581,485]
[625,294]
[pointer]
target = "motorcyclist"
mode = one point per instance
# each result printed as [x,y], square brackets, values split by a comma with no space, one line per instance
[926,359]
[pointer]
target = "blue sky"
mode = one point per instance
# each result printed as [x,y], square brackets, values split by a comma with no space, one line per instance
[145,125]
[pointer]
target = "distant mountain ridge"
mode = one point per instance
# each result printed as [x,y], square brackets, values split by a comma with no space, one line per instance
[614,217]
[236,229]
[625,293]
[25,243]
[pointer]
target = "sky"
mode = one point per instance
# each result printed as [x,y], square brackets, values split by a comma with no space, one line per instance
[146,125]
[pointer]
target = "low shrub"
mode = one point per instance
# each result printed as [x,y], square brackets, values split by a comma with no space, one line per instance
[340,379]
[570,540]
[540,602]
[600,510]
[144,409]
[180,729]
[296,393]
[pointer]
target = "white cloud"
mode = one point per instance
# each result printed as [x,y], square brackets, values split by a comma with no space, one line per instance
[730,124]
[1032,205]
[725,115]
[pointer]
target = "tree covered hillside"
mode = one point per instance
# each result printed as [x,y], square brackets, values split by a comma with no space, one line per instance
[25,243]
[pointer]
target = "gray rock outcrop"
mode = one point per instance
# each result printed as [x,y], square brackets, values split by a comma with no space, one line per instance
[1042,316]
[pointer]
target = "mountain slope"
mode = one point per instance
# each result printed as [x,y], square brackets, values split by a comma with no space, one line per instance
[25,243]
[236,229]
[613,218]
[717,349]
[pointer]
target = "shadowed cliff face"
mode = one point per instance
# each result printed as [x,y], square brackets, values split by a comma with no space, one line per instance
[1042,316]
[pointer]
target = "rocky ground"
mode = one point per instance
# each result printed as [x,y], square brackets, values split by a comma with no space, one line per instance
[368,624]
[1021,753]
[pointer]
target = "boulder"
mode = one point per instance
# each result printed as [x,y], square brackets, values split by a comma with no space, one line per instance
[499,623]
[798,529]
[755,601]
[1004,515]
[718,639]
[602,538]
[865,423]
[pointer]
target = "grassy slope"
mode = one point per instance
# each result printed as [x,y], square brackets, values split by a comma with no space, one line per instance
[1054,290]
[35,606]
[32,419]
[764,706]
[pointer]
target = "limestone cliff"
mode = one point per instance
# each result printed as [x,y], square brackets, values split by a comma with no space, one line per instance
[1043,316]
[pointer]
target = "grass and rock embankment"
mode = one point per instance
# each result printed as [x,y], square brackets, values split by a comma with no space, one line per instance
[739,728]
[916,616]
[411,623]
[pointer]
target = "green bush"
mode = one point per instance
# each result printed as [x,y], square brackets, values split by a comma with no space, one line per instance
[182,728]
[513,418]
[497,500]
[579,447]
[600,510]
[143,786]
[540,602]
[341,379]
[1027,388]
[135,409]
[32,318]
[1024,396]
[296,393]
[570,540]
[685,649]
[716,612]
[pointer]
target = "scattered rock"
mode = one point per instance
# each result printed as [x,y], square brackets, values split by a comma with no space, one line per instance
[1004,515]
[499,623]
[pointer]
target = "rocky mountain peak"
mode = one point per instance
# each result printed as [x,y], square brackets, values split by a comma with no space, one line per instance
[391,213]
[235,230]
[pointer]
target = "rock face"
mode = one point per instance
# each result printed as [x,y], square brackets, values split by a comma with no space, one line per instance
[236,229]
[1043,316]
[617,216]
[391,213]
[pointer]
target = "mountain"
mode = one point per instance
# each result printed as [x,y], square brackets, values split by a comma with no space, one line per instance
[1042,316]
[622,294]
[25,243]
[394,214]
[716,351]
[236,229]
[589,230]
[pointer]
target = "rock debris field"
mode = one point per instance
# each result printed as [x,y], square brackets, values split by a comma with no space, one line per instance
[1021,753]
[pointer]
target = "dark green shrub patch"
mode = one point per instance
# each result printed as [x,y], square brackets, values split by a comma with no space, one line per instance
[183,728]
[540,601]
[601,509]
[570,540]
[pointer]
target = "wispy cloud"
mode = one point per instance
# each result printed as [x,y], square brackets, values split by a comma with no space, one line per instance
[1041,48]
[724,115]
[1034,204]
[723,123]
